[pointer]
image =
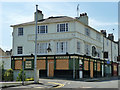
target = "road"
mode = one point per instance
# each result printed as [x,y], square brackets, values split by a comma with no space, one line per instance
[82,84]
[58,83]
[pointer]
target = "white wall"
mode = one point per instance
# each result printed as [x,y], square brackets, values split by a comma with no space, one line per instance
[108,48]
[76,33]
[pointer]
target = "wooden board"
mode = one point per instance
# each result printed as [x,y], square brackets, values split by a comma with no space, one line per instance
[98,66]
[41,64]
[51,68]
[62,64]
[18,64]
[91,69]
[86,65]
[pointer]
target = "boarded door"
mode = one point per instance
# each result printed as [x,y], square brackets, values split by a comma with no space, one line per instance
[50,68]
[91,69]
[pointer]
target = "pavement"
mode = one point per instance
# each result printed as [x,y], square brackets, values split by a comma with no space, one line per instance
[31,84]
[51,84]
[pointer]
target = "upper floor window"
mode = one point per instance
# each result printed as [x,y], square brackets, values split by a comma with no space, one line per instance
[87,49]
[61,47]
[115,58]
[42,48]
[99,52]
[19,50]
[94,53]
[98,37]
[78,47]
[115,46]
[20,31]
[107,43]
[62,27]
[42,29]
[87,31]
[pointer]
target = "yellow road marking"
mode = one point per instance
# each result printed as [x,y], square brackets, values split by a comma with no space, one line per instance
[38,87]
[60,85]
[86,87]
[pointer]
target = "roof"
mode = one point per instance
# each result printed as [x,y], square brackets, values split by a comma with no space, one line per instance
[48,20]
[55,20]
[2,53]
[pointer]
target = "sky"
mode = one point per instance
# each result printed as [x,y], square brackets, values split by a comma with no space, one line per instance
[102,15]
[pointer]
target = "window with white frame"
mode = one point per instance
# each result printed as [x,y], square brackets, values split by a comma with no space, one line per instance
[87,49]
[42,48]
[78,47]
[87,31]
[42,29]
[62,27]
[62,47]
[20,31]
[19,50]
[99,52]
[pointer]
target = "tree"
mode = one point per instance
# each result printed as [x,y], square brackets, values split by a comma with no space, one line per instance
[2,70]
[8,75]
[20,76]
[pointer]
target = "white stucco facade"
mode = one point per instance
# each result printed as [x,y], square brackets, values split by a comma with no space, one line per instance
[76,33]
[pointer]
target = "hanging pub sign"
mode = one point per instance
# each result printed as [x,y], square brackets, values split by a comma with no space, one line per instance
[108,62]
[28,64]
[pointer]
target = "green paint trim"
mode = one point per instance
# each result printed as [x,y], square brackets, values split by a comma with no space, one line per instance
[13,64]
[70,64]
[32,60]
[89,65]
[46,64]
[77,64]
[54,63]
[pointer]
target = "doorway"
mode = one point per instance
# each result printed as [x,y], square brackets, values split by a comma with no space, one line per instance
[50,68]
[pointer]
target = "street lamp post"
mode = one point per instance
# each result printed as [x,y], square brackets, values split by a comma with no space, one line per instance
[23,71]
[35,57]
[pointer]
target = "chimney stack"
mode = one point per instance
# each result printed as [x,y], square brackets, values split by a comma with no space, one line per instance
[111,37]
[103,32]
[83,18]
[39,15]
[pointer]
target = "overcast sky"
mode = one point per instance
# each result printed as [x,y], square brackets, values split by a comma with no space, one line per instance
[102,15]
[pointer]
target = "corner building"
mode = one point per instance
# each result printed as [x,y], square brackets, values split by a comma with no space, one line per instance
[66,47]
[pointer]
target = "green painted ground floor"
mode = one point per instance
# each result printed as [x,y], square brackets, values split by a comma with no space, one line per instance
[66,66]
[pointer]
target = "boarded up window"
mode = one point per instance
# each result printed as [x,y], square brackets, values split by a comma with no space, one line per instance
[18,64]
[91,69]
[115,68]
[86,65]
[41,64]
[62,64]
[98,66]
